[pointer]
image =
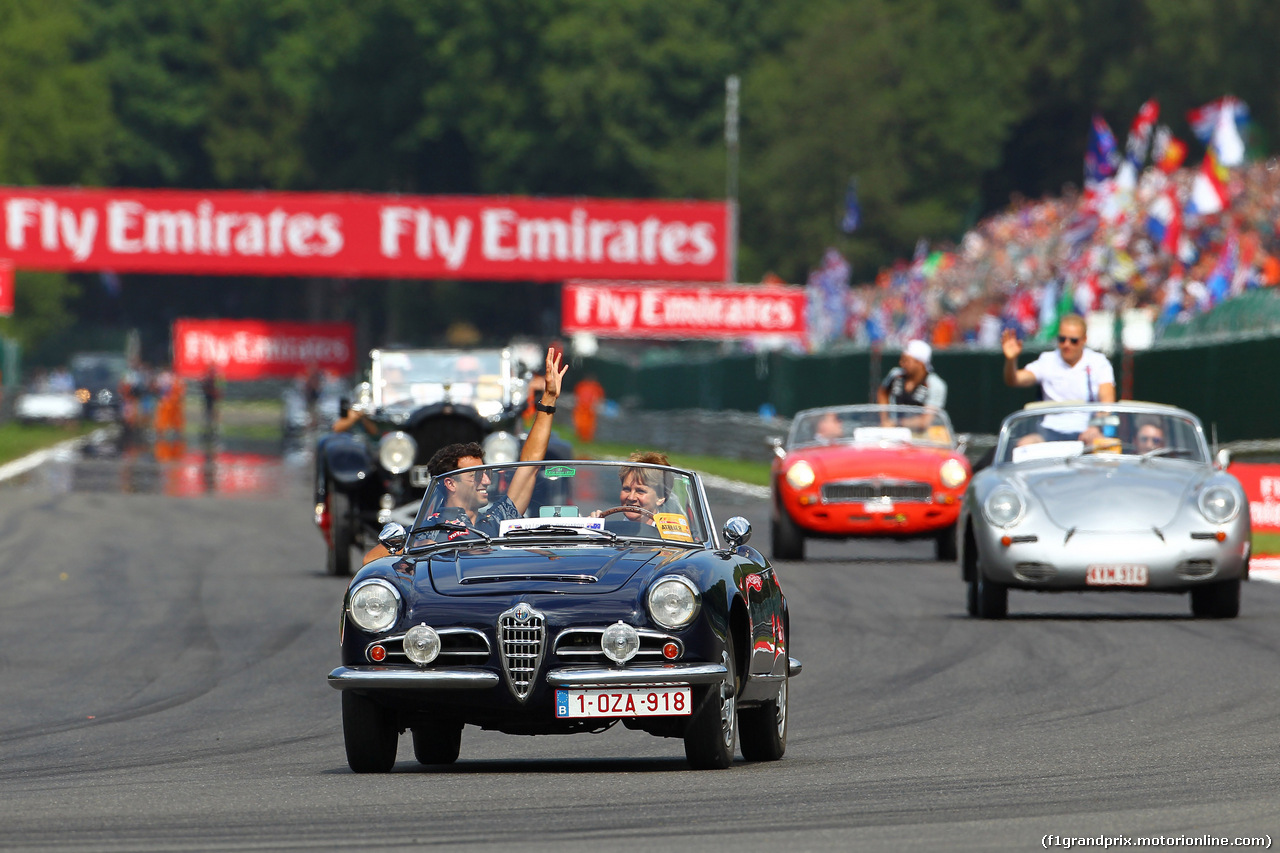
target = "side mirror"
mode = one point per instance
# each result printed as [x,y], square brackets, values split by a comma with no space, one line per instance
[393,537]
[775,441]
[737,531]
[962,441]
[1224,458]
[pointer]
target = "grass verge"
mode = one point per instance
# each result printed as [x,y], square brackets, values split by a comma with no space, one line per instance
[755,473]
[19,439]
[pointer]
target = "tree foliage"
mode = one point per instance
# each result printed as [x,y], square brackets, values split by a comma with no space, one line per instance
[939,108]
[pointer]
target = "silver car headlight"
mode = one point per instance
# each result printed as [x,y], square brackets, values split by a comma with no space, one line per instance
[800,475]
[396,451]
[673,602]
[1003,507]
[373,605]
[952,473]
[1219,504]
[501,448]
[489,409]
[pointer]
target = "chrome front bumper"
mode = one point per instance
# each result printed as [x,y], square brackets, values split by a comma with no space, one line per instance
[399,678]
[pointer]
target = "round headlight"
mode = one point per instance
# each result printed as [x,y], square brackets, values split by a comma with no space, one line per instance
[620,642]
[373,606]
[673,602]
[395,452]
[421,644]
[1003,507]
[501,448]
[1219,504]
[800,475]
[952,473]
[491,409]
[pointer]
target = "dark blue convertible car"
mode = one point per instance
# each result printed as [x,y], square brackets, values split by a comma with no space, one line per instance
[561,597]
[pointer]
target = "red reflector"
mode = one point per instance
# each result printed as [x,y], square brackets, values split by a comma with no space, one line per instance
[670,651]
[377,653]
[1006,541]
[1222,535]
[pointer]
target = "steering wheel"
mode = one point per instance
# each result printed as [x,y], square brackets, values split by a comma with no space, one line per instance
[639,509]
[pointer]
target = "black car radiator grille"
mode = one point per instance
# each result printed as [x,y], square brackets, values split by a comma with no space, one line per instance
[853,491]
[520,633]
[436,432]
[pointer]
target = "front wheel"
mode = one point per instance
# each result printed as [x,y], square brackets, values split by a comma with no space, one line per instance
[991,600]
[710,738]
[369,733]
[788,541]
[437,744]
[764,729]
[1219,600]
[945,545]
[340,532]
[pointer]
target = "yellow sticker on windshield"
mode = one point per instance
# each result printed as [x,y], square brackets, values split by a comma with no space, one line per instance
[672,525]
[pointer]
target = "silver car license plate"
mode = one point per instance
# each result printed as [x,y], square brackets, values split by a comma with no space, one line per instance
[1119,574]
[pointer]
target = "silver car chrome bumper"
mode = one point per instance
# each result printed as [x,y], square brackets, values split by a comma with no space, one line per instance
[392,678]
[670,673]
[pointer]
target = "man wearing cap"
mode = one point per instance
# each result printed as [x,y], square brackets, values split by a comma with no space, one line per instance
[913,383]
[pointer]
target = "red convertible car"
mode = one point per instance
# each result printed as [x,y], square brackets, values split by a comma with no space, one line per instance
[867,472]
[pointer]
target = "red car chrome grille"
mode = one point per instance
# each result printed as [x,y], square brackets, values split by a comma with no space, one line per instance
[854,491]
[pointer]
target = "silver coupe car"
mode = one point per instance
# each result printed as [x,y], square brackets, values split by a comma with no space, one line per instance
[1104,496]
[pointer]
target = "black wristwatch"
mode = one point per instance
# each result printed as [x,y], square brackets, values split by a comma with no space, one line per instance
[543,407]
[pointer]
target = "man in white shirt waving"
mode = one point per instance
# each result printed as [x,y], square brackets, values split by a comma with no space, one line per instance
[1071,372]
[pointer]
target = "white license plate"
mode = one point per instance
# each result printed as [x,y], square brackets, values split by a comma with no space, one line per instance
[1120,574]
[878,505]
[625,702]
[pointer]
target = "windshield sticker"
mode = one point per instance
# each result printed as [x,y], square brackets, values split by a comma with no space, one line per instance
[555,472]
[1047,450]
[509,524]
[673,525]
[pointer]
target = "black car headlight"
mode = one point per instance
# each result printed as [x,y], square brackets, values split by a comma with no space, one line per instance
[373,605]
[396,451]
[501,448]
[673,602]
[1219,504]
[1003,507]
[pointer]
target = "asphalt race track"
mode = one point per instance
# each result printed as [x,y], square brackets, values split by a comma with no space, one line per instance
[162,688]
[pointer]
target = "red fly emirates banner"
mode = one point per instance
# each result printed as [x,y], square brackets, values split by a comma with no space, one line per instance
[639,310]
[256,349]
[360,236]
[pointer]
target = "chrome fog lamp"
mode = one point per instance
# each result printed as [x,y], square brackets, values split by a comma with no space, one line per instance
[1003,507]
[1219,504]
[673,602]
[501,448]
[396,450]
[373,605]
[422,644]
[620,642]
[800,475]
[951,473]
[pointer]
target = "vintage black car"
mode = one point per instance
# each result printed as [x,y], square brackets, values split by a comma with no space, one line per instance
[416,401]
[582,609]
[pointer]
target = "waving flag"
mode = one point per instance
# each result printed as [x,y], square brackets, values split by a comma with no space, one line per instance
[1209,191]
[1226,142]
[1101,159]
[1140,133]
[1168,151]
[1204,119]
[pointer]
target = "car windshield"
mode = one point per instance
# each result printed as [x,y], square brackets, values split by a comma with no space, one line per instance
[572,502]
[1059,432]
[871,425]
[423,377]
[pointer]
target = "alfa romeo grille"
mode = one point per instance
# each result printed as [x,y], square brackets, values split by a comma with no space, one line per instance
[520,633]
[853,491]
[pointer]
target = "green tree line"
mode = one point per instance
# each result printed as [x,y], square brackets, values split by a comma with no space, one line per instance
[940,108]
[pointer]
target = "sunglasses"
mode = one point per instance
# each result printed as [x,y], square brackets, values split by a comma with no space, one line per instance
[1062,339]
[1149,439]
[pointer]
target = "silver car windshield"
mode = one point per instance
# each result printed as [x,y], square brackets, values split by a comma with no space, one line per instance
[1059,432]
[578,502]
[871,424]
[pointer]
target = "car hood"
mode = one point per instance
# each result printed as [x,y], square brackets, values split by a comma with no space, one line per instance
[903,462]
[1111,496]
[506,570]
